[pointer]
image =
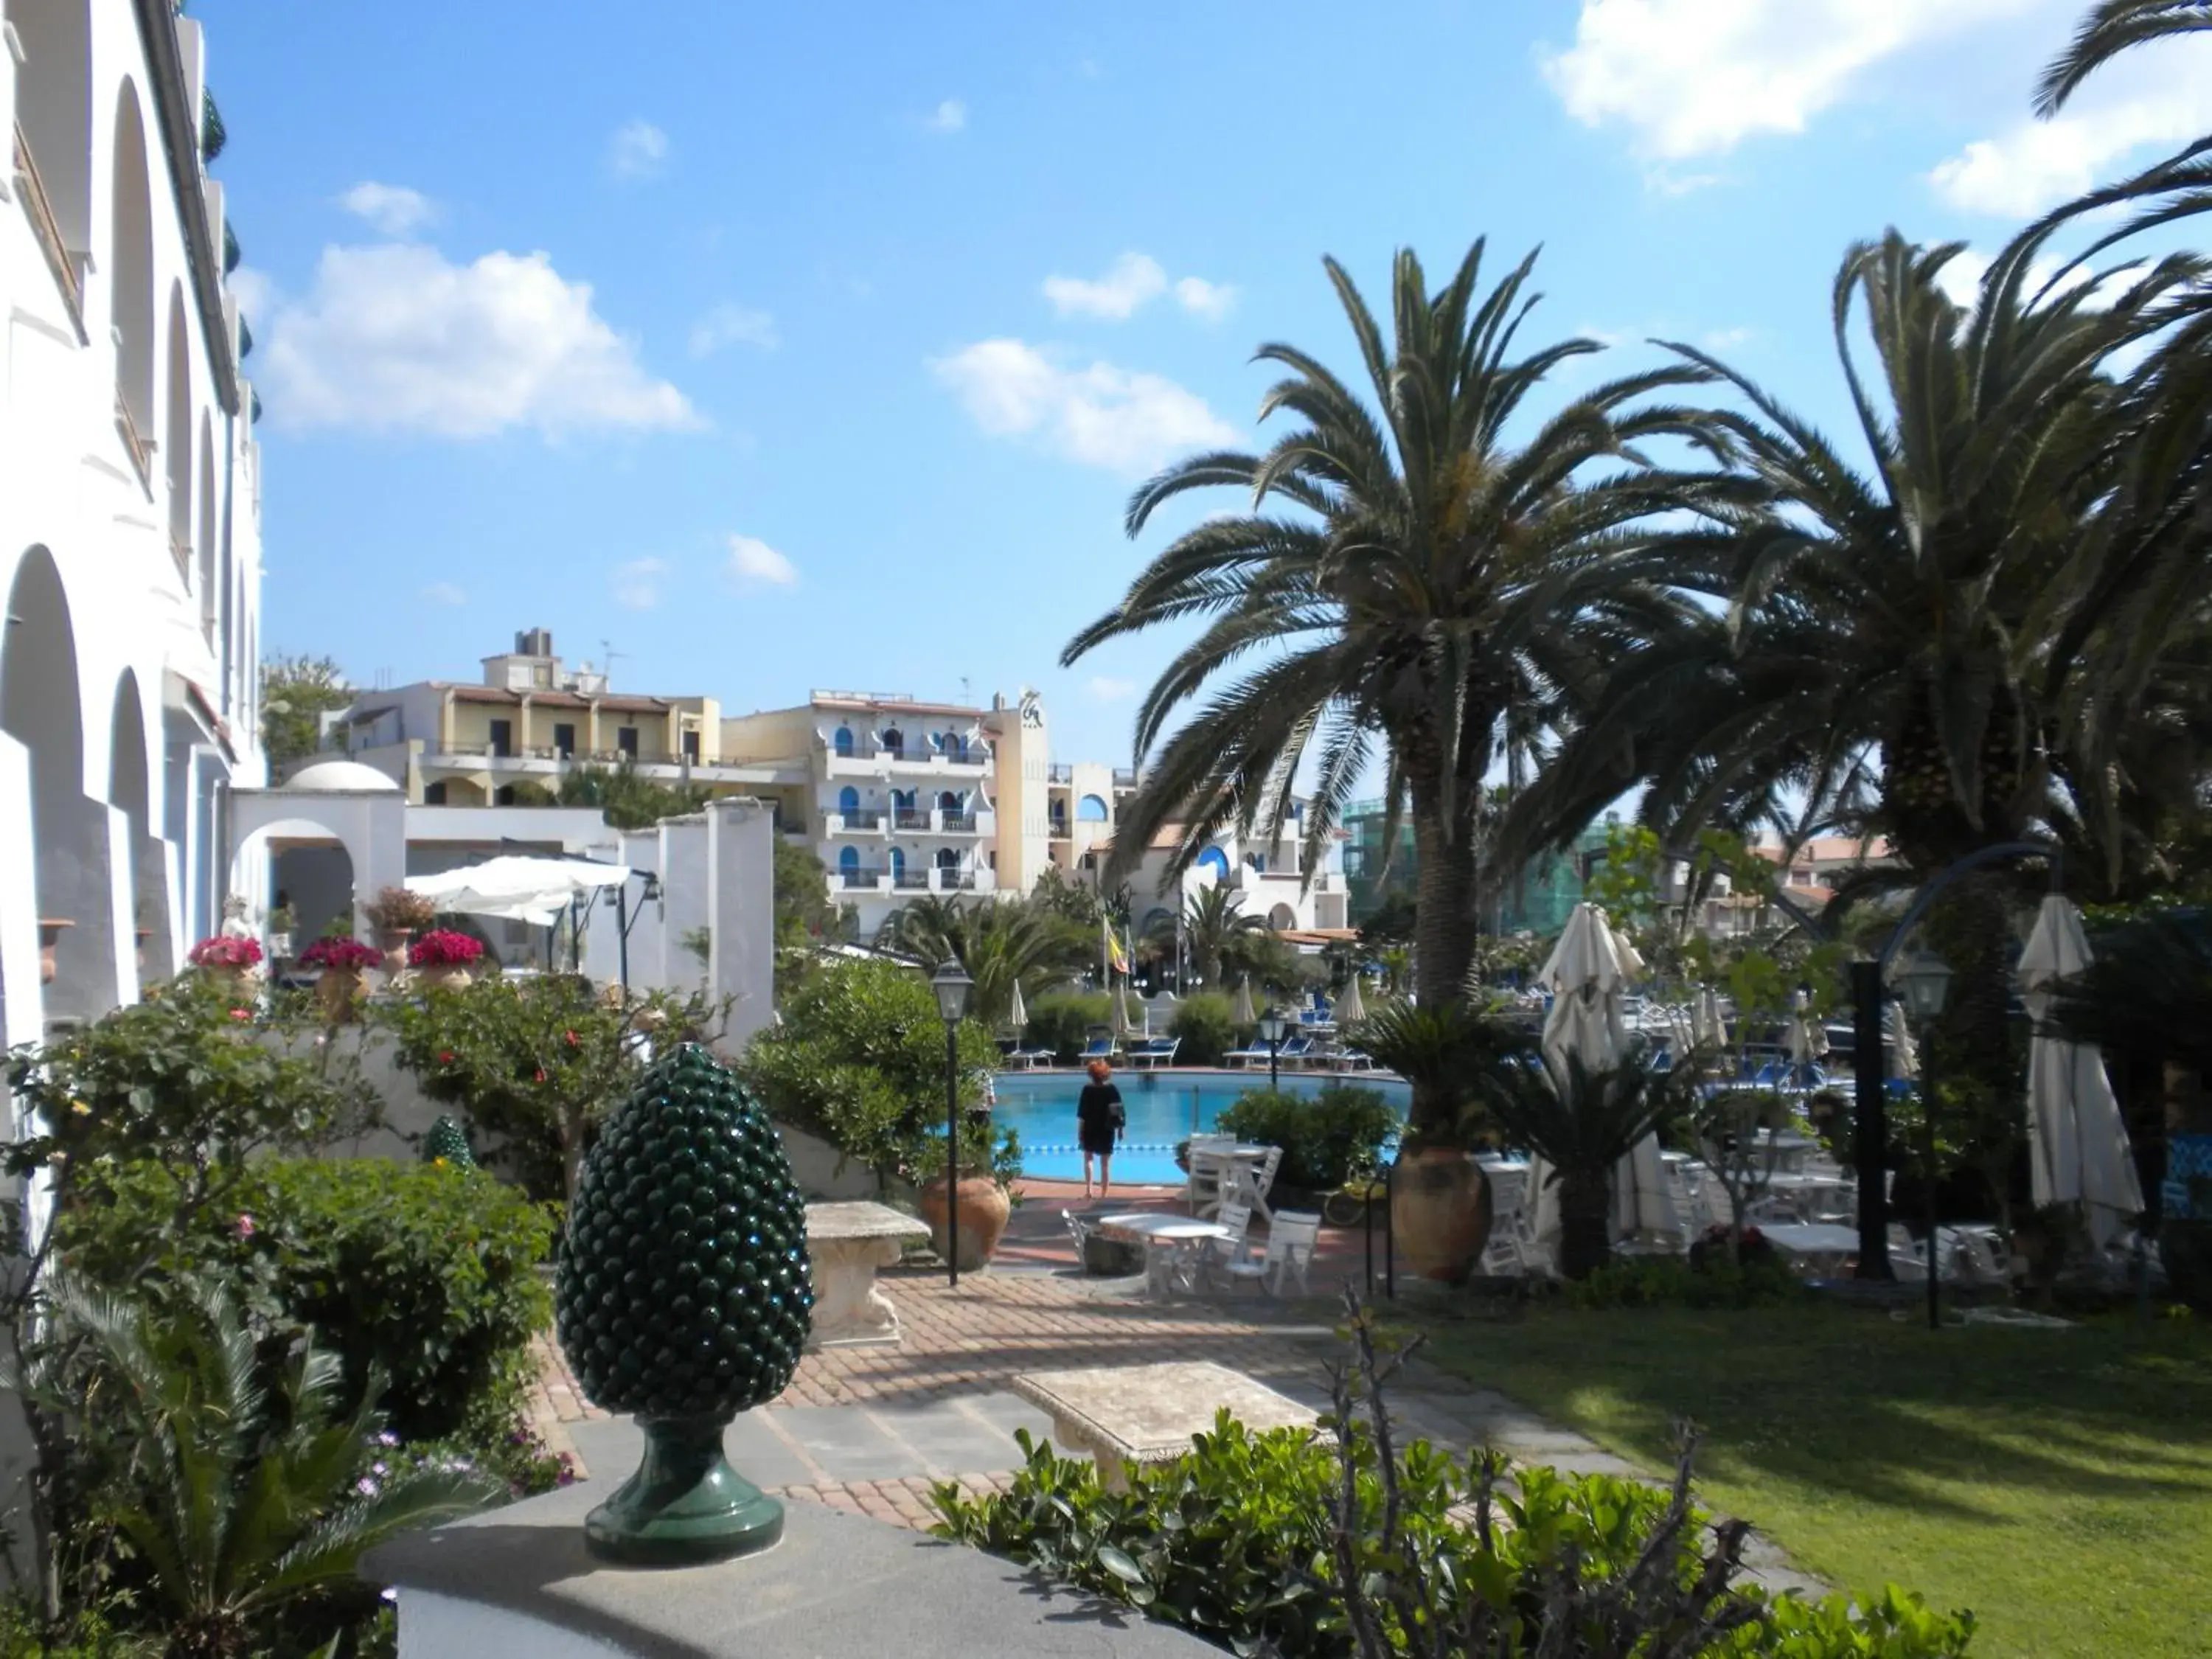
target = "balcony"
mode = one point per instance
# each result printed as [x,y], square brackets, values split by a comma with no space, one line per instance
[1060,772]
[858,880]
[871,757]
[914,879]
[860,821]
[955,823]
[911,821]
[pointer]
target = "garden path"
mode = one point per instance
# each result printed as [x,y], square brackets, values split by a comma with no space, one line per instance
[871,1429]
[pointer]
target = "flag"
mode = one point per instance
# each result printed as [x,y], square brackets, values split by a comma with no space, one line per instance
[1116,960]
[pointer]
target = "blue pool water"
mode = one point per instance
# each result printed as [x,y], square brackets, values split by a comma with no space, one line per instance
[1163,1107]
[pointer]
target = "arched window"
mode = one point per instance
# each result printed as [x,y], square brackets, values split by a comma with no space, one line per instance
[131,266]
[848,861]
[1282,917]
[898,863]
[843,743]
[948,800]
[1090,810]
[1215,860]
[848,801]
[956,745]
[894,741]
[947,858]
[177,436]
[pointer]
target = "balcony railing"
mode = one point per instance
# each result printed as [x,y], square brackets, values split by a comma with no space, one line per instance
[913,751]
[860,818]
[956,881]
[48,230]
[915,880]
[957,823]
[904,819]
[1125,777]
[859,877]
[1060,772]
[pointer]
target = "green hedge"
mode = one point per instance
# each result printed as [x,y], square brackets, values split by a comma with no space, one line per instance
[1061,1021]
[1325,1138]
[1205,1021]
[426,1273]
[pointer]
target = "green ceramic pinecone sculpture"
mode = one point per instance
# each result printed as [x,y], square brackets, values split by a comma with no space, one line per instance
[447,1142]
[684,1296]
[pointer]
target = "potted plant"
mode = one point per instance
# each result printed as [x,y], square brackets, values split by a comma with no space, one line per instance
[398,915]
[283,921]
[984,1197]
[340,988]
[443,957]
[1440,1200]
[225,956]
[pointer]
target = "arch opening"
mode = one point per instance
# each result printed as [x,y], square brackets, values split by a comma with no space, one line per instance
[177,436]
[1090,810]
[53,102]
[129,791]
[130,268]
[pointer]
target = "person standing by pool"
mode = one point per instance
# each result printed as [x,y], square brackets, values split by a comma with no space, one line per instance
[1099,1119]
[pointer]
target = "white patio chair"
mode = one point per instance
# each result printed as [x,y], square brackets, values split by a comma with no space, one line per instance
[1208,1156]
[1510,1250]
[1220,1255]
[1291,1237]
[1251,1183]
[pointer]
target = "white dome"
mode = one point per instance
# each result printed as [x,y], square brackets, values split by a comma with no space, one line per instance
[338,777]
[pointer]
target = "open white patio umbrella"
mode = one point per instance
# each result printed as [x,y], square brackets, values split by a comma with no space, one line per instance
[1119,1004]
[1808,1037]
[1897,1031]
[1242,1013]
[1587,978]
[521,889]
[1350,1009]
[2078,1144]
[1017,1012]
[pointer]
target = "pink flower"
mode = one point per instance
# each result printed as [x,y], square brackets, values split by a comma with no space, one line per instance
[540,1076]
[245,1227]
[570,1037]
[241,1015]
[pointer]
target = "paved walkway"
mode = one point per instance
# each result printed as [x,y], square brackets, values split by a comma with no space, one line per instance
[871,1430]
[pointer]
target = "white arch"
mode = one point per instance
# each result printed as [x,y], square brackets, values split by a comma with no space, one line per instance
[207,536]
[130,264]
[177,435]
[53,102]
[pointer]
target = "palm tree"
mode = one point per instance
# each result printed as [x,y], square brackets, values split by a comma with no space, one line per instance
[1402,572]
[2111,28]
[1000,944]
[1582,1126]
[1217,931]
[238,1499]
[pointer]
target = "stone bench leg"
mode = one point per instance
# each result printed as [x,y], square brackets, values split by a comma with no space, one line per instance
[848,1306]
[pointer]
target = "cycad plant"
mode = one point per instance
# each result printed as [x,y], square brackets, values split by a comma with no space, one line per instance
[1403,577]
[1581,1121]
[239,1499]
[1442,1050]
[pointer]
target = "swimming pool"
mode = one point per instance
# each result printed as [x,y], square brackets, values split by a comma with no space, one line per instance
[1163,1107]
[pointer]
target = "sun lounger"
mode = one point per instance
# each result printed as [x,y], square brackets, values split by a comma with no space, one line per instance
[1154,1051]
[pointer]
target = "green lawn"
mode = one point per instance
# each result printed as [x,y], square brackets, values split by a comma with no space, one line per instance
[2058,1483]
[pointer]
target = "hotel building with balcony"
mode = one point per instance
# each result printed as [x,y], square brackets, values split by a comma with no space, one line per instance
[130,510]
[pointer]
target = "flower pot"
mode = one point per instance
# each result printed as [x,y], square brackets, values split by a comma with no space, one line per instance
[984,1208]
[1440,1211]
[442,976]
[340,990]
[50,937]
[394,943]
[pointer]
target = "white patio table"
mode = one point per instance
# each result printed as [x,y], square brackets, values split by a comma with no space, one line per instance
[1817,1244]
[1223,1161]
[1173,1244]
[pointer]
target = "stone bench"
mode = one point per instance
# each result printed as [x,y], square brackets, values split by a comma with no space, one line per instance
[845,1243]
[1125,1415]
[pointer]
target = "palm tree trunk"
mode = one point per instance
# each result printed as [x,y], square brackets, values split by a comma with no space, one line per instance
[1585,1221]
[1443,892]
[1970,928]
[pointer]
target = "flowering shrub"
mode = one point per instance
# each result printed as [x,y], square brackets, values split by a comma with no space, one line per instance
[395,907]
[346,955]
[225,951]
[444,948]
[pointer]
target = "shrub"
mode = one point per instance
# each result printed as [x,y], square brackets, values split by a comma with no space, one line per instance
[1325,1138]
[396,906]
[1763,1281]
[1061,1021]
[860,1061]
[424,1272]
[1205,1021]
[535,1062]
[1286,1543]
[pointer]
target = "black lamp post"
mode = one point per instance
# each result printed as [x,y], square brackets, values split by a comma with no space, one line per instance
[1923,982]
[1271,1033]
[951,984]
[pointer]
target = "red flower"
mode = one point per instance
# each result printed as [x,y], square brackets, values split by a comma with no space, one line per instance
[443,948]
[445,1056]
[570,1037]
[241,1014]
[540,1077]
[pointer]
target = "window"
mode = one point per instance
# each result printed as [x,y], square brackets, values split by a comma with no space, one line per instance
[1090,810]
[848,861]
[848,800]
[502,736]
[691,745]
[564,740]
[503,796]
[903,800]
[898,863]
[843,743]
[947,858]
[895,742]
[1215,860]
[626,741]
[948,801]
[433,794]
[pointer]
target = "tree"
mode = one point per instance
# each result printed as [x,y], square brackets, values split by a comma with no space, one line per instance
[1218,933]
[630,801]
[296,692]
[1000,944]
[803,913]
[1425,583]
[2111,28]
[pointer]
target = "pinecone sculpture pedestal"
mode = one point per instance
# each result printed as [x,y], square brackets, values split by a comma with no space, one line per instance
[684,1296]
[685,1504]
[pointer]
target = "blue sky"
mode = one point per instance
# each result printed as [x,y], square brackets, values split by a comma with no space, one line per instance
[786,347]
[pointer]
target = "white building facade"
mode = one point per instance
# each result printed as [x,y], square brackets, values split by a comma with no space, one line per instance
[130,500]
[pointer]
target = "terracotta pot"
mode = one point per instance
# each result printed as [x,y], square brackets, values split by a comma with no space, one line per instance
[339,990]
[50,937]
[394,943]
[1440,1211]
[448,976]
[984,1208]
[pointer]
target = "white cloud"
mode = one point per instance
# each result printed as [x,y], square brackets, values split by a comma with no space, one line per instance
[637,583]
[1130,281]
[1694,77]
[753,562]
[1720,339]
[1102,416]
[393,208]
[395,338]
[1961,278]
[639,149]
[1109,688]
[1211,301]
[951,116]
[2127,114]
[732,324]
[445,594]
[255,292]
